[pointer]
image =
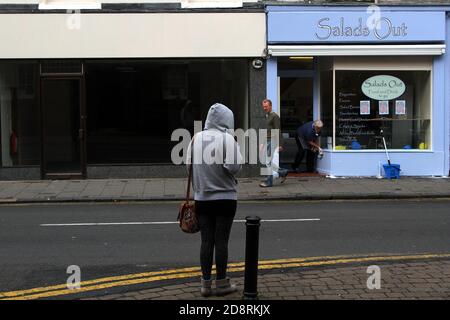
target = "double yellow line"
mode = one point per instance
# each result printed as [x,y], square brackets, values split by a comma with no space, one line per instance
[147,277]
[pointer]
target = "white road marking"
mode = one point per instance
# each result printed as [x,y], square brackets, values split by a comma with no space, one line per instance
[153,223]
[103,224]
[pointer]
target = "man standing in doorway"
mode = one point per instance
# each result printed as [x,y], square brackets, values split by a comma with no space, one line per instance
[273,122]
[306,138]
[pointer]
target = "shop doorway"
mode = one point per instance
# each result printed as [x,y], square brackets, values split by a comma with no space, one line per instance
[296,108]
[63,130]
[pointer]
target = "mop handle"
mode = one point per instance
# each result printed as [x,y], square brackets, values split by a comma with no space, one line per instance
[385,149]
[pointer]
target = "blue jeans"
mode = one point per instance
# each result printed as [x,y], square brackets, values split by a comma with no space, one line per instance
[283,172]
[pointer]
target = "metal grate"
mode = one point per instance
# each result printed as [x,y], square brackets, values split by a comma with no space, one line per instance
[61,67]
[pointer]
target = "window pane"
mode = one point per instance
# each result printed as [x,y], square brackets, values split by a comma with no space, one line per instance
[326,99]
[20,135]
[295,63]
[134,106]
[396,103]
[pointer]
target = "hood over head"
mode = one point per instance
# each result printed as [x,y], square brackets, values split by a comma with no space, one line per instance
[219,117]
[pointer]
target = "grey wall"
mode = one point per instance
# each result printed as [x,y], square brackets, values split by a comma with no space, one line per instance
[257,79]
[24,173]
[257,90]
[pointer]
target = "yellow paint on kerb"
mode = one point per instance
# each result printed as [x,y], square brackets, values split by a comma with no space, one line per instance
[126,280]
[155,273]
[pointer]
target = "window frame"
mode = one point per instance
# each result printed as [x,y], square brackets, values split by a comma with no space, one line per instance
[368,67]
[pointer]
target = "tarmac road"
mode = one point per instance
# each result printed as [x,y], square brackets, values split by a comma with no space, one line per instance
[39,242]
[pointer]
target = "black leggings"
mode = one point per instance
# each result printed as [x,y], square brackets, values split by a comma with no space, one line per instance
[215,219]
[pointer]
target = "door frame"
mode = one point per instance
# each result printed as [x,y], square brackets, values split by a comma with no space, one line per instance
[296,74]
[82,129]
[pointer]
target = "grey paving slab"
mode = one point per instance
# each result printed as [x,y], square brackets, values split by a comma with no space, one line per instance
[114,188]
[153,188]
[37,186]
[94,187]
[26,195]
[75,186]
[13,189]
[174,186]
[68,194]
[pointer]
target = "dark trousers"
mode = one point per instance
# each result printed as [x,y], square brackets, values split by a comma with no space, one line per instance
[215,219]
[301,152]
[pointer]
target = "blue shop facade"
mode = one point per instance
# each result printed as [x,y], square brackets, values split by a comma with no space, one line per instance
[368,73]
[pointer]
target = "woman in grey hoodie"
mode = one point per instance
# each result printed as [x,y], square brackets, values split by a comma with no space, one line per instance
[216,159]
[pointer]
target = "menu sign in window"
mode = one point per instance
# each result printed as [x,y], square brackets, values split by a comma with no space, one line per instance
[352,124]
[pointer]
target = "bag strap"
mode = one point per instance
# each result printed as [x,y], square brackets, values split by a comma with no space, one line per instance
[189,183]
[188,192]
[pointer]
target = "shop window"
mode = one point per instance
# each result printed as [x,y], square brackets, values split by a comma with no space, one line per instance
[19,114]
[373,104]
[134,106]
[326,101]
[325,69]
[387,98]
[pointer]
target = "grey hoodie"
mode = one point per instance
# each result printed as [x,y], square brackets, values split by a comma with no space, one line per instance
[215,163]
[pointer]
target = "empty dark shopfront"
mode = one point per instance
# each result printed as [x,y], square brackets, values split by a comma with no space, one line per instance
[99,98]
[108,118]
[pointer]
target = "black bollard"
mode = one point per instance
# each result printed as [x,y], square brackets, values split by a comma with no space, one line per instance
[251,257]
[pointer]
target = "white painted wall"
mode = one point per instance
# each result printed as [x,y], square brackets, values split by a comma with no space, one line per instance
[116,1]
[132,35]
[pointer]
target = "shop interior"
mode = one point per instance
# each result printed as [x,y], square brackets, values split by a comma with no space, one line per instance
[134,106]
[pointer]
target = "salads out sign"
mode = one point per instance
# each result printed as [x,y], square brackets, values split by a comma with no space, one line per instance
[383,87]
[288,25]
[381,29]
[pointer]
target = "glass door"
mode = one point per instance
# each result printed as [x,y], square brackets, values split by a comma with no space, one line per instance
[296,108]
[63,128]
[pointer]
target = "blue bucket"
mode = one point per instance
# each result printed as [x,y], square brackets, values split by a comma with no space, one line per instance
[392,171]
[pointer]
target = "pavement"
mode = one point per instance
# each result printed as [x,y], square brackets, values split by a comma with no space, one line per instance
[402,277]
[297,187]
[369,277]
[423,277]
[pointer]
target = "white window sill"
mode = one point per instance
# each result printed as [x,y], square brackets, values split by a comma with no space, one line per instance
[196,4]
[69,6]
[379,151]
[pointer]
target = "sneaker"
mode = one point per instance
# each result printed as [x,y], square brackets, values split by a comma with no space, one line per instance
[264,185]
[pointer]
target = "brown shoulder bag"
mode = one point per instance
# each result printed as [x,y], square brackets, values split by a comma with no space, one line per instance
[186,215]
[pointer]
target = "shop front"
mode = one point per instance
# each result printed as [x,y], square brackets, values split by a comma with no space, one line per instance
[368,74]
[98,95]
